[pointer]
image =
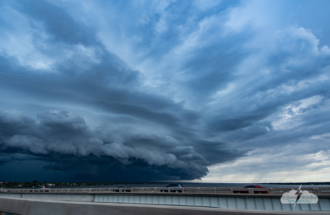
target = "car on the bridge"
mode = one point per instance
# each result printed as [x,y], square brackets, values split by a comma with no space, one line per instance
[122,188]
[255,186]
[178,187]
[175,185]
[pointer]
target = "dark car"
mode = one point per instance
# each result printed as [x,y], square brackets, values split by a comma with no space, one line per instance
[122,188]
[178,187]
[175,185]
[255,186]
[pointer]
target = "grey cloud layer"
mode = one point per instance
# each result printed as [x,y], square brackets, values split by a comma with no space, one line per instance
[158,90]
[65,139]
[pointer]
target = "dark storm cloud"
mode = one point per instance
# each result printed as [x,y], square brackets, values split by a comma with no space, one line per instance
[91,168]
[155,91]
[85,88]
[13,121]
[64,140]
[60,25]
[58,132]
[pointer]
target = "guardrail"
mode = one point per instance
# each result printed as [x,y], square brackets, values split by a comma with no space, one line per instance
[164,190]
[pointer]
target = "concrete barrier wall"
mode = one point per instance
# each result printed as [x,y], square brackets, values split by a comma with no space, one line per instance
[60,197]
[34,207]
[238,203]
[250,203]
[53,197]
[10,195]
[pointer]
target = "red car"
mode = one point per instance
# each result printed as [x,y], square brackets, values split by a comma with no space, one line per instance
[253,186]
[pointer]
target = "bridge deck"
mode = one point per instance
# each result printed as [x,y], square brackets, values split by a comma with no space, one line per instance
[42,207]
[226,198]
[271,192]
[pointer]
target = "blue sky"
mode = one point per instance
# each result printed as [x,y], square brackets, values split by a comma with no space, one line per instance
[217,91]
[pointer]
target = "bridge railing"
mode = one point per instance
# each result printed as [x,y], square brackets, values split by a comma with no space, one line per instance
[187,190]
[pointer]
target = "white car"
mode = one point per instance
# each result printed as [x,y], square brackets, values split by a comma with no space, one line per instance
[44,188]
[2,190]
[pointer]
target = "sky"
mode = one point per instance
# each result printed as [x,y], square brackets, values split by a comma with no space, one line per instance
[132,91]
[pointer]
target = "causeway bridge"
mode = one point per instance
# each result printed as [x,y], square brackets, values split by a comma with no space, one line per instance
[213,200]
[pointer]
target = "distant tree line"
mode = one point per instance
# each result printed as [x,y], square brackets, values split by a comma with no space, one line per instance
[37,184]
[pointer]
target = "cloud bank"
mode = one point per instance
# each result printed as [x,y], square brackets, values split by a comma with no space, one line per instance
[171,90]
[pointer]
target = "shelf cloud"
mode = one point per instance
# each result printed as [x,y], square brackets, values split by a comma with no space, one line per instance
[160,91]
